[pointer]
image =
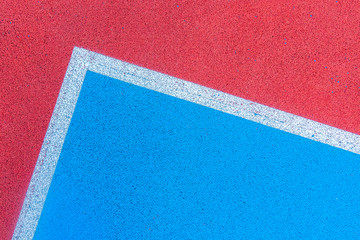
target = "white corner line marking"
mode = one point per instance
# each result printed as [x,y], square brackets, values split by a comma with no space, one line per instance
[83,60]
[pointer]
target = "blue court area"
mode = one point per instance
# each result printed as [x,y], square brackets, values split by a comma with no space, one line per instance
[138,164]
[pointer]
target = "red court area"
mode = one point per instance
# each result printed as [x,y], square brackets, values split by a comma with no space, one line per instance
[298,56]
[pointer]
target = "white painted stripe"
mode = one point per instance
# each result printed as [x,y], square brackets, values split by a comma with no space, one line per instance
[52,145]
[83,60]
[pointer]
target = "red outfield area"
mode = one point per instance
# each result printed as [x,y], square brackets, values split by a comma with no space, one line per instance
[295,56]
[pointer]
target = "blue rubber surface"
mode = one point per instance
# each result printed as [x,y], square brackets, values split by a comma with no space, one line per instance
[137,164]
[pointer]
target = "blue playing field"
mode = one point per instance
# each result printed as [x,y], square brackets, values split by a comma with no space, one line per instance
[138,164]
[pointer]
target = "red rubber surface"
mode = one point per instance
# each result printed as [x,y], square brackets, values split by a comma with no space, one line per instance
[299,57]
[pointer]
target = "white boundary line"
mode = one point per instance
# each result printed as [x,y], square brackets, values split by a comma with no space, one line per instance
[83,60]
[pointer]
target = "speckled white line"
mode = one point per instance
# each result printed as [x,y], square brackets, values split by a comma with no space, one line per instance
[52,145]
[83,60]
